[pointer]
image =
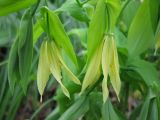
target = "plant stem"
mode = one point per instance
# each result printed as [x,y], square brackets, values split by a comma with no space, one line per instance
[79,3]
[41,108]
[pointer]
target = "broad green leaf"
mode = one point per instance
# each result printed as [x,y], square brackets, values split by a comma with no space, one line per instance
[96,29]
[78,109]
[13,66]
[72,7]
[129,12]
[17,5]
[25,48]
[57,33]
[140,35]
[108,112]
[146,70]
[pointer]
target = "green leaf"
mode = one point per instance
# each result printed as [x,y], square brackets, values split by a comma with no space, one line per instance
[74,10]
[17,5]
[130,11]
[25,48]
[96,29]
[146,70]
[108,112]
[157,37]
[37,32]
[153,110]
[81,33]
[95,101]
[13,66]
[145,109]
[78,109]
[57,33]
[113,8]
[140,35]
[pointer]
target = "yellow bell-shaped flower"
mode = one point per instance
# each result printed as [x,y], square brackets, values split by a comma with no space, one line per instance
[51,61]
[110,66]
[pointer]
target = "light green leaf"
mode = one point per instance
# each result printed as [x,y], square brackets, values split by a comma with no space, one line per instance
[74,10]
[17,5]
[37,31]
[140,35]
[96,29]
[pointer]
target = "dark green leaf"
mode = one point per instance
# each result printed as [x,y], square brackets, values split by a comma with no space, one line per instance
[108,112]
[78,109]
[25,48]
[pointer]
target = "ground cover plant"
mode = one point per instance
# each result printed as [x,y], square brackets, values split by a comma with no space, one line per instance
[80,59]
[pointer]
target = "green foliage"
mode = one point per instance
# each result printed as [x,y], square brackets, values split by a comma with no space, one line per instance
[107,45]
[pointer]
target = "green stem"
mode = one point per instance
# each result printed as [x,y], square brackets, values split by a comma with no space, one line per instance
[41,108]
[79,3]
[35,8]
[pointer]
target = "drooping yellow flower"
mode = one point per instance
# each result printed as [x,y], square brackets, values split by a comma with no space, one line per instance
[51,61]
[110,66]
[107,56]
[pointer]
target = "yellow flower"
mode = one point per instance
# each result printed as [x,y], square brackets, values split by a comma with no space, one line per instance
[105,55]
[51,61]
[110,66]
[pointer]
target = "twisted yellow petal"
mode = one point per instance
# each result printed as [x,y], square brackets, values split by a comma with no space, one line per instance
[55,66]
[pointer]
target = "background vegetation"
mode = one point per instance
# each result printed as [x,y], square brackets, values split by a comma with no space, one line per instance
[136,27]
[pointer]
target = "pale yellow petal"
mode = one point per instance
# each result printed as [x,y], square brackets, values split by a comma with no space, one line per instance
[70,74]
[55,66]
[43,70]
[93,69]
[114,70]
[105,90]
